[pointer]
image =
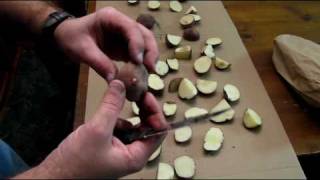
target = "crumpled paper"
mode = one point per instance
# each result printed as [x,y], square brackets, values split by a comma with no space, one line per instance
[297,60]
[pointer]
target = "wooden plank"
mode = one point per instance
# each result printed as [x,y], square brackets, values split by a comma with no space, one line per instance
[265,153]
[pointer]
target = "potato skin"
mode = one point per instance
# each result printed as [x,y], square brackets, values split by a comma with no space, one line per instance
[191,34]
[147,20]
[135,79]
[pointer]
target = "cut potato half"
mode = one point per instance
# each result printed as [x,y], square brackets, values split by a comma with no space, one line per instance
[191,34]
[208,51]
[175,6]
[186,89]
[206,86]
[173,64]
[187,21]
[223,117]
[165,171]
[133,2]
[155,82]
[196,18]
[185,167]
[162,68]
[231,93]
[221,64]
[155,154]
[174,84]
[135,108]
[202,65]
[213,139]
[169,108]
[183,134]
[223,105]
[194,112]
[214,41]
[135,121]
[251,119]
[183,52]
[173,40]
[154,5]
[191,10]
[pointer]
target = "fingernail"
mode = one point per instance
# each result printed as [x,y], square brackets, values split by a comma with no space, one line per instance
[110,77]
[117,84]
[140,56]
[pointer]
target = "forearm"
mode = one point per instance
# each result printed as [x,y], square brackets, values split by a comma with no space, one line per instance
[25,17]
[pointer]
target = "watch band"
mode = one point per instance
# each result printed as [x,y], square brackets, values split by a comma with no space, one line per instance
[51,23]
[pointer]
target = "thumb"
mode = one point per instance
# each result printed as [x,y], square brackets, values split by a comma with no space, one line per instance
[110,107]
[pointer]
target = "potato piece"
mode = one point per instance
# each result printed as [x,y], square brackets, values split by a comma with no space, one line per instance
[155,154]
[147,20]
[183,134]
[231,93]
[183,52]
[174,84]
[187,21]
[223,117]
[186,89]
[191,34]
[214,41]
[213,139]
[185,167]
[133,2]
[175,6]
[202,65]
[191,10]
[221,64]
[251,119]
[173,40]
[155,83]
[223,105]
[135,121]
[135,108]
[162,68]
[196,18]
[194,112]
[173,64]
[154,5]
[206,86]
[134,78]
[208,51]
[169,108]
[165,171]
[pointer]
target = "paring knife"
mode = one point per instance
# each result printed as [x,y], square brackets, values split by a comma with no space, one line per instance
[132,135]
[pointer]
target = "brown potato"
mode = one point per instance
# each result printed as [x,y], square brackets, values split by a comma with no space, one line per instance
[147,20]
[135,78]
[191,34]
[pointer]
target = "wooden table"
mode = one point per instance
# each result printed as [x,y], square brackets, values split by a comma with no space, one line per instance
[258,24]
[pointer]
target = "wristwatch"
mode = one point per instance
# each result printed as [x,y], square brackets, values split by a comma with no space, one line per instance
[52,22]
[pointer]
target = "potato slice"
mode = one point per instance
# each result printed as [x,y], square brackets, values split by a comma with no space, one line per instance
[154,5]
[183,134]
[208,51]
[162,68]
[191,10]
[135,121]
[202,65]
[173,64]
[215,41]
[194,112]
[165,171]
[175,6]
[133,2]
[223,117]
[231,93]
[173,40]
[183,52]
[251,119]
[196,18]
[185,167]
[174,84]
[191,34]
[206,86]
[213,139]
[155,154]
[146,20]
[169,108]
[223,105]
[155,82]
[135,108]
[221,64]
[186,89]
[187,21]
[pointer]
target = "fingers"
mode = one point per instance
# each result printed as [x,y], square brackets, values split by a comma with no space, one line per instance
[109,110]
[151,53]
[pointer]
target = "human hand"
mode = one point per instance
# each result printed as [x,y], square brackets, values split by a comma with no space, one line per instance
[104,36]
[93,151]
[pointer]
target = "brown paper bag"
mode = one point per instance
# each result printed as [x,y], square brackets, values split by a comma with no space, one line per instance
[297,60]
